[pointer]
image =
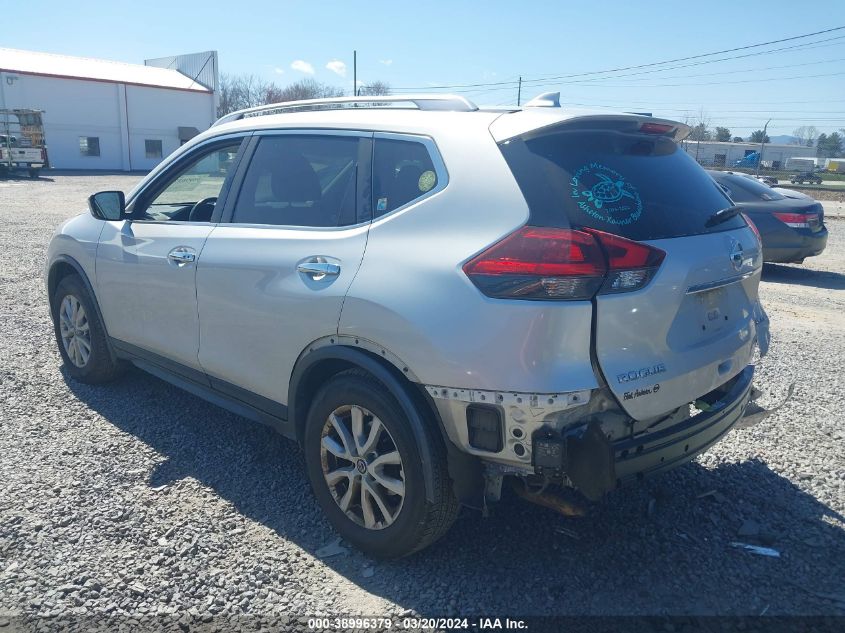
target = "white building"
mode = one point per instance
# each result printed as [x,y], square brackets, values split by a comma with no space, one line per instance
[726,154]
[101,114]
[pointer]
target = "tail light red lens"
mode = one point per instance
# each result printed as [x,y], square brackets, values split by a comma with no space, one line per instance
[631,265]
[562,264]
[798,220]
[754,228]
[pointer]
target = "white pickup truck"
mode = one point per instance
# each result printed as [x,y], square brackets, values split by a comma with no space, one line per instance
[22,145]
[29,158]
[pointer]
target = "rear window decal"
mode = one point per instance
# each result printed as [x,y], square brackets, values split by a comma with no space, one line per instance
[604,194]
[381,205]
[427,181]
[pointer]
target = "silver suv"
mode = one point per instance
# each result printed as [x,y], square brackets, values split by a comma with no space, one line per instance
[429,297]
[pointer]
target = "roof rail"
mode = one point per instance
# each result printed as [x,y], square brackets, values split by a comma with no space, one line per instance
[420,102]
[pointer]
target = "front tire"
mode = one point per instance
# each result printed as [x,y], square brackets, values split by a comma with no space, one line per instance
[80,334]
[364,465]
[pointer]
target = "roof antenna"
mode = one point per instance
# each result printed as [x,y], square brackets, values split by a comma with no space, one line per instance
[545,100]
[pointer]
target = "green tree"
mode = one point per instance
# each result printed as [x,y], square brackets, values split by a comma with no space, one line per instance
[821,144]
[738,139]
[700,133]
[723,134]
[757,136]
[829,145]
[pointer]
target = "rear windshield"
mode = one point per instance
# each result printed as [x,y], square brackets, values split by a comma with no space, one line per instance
[638,186]
[745,189]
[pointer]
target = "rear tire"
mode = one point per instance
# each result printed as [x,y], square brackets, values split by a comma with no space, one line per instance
[384,521]
[80,335]
[33,172]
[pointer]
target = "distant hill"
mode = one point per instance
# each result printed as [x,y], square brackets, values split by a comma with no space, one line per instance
[784,139]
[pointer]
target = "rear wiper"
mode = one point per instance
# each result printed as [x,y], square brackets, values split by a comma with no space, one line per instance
[722,215]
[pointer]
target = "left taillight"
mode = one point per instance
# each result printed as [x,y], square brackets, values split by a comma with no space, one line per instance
[798,220]
[562,264]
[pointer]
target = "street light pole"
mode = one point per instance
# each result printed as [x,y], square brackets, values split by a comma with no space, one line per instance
[762,143]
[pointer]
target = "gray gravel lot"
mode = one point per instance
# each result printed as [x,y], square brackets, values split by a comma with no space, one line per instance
[136,499]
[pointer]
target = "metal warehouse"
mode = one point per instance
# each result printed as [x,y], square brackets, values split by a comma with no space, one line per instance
[726,154]
[100,114]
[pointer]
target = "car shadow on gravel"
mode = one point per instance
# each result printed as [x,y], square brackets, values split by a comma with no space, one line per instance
[786,274]
[662,547]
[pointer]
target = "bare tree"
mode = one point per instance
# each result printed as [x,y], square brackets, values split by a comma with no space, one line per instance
[805,135]
[301,90]
[374,88]
[240,91]
[247,91]
[701,127]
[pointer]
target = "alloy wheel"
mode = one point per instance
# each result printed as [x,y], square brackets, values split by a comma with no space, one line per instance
[362,467]
[75,331]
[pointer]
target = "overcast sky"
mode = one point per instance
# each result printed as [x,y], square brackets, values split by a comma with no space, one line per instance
[433,43]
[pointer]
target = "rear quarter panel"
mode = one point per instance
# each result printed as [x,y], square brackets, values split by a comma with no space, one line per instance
[412,298]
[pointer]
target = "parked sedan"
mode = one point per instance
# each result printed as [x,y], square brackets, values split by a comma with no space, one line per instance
[791,228]
[791,193]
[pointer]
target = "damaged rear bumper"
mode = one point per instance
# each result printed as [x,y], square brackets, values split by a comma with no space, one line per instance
[653,452]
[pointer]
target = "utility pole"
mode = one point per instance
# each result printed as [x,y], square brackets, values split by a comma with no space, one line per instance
[355,73]
[519,92]
[762,143]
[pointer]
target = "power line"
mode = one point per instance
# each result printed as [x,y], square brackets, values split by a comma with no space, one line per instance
[806,46]
[709,83]
[725,72]
[649,65]
[536,83]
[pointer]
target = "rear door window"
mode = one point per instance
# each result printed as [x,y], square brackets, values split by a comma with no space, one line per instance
[642,187]
[308,180]
[403,171]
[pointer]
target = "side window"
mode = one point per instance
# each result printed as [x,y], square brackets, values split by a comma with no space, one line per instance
[402,171]
[308,180]
[191,194]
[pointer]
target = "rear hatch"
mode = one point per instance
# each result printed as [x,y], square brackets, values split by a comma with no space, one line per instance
[684,327]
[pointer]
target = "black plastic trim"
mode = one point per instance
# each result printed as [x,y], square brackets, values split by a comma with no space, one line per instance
[223,394]
[298,410]
[66,259]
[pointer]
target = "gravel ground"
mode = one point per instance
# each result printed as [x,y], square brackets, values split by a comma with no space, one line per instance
[136,499]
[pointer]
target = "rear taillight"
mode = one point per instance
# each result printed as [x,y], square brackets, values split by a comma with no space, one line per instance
[754,229]
[630,265]
[44,154]
[798,220]
[562,264]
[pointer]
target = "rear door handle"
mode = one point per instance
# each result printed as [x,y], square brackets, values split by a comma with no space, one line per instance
[182,255]
[318,270]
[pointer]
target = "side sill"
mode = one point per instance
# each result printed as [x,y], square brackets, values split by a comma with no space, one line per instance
[223,394]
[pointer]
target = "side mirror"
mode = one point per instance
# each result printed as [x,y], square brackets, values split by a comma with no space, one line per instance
[108,205]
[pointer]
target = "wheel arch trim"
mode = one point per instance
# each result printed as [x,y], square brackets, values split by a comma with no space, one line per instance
[52,283]
[317,354]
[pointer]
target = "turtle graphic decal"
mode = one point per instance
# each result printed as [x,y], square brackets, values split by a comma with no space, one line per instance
[603,193]
[607,190]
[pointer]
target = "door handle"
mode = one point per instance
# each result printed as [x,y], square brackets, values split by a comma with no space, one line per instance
[318,270]
[182,256]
